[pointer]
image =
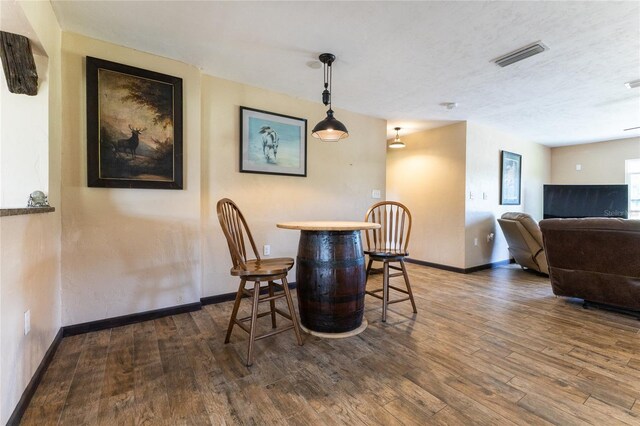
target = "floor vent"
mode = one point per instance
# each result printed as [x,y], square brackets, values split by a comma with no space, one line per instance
[520,54]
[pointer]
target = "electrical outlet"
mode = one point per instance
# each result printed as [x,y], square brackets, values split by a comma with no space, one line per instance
[376,193]
[475,241]
[27,322]
[266,250]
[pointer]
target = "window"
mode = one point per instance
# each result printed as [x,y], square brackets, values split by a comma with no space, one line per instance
[632,178]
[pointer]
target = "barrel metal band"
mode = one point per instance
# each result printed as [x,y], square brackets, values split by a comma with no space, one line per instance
[331,264]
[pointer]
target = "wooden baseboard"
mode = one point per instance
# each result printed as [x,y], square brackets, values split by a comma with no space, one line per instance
[459,270]
[103,324]
[25,399]
[71,330]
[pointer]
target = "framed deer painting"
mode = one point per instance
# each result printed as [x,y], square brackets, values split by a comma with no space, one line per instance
[134,127]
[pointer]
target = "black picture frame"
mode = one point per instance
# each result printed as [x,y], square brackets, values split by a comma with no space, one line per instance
[272,143]
[510,178]
[123,102]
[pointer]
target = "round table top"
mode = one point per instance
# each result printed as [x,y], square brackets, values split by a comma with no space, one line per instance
[328,225]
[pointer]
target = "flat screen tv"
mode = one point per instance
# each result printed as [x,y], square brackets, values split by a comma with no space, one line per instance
[575,201]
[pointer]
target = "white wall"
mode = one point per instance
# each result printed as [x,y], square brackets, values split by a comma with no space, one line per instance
[30,244]
[126,250]
[428,176]
[483,177]
[340,176]
[602,162]
[24,132]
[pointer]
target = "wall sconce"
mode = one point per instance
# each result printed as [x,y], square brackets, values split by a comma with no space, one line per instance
[397,143]
[329,129]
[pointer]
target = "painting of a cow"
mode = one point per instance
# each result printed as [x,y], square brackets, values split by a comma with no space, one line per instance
[272,143]
[269,144]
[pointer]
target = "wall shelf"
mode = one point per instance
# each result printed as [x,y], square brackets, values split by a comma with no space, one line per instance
[26,210]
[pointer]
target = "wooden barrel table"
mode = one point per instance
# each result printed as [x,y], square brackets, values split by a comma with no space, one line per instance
[330,277]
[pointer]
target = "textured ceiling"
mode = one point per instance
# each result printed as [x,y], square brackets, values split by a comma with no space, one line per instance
[400,60]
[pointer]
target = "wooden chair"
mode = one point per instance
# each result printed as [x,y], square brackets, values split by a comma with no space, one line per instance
[258,271]
[388,244]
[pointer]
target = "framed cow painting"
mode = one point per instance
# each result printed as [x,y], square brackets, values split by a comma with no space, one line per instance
[134,127]
[272,143]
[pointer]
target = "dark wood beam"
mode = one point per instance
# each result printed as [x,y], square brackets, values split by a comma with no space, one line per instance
[18,64]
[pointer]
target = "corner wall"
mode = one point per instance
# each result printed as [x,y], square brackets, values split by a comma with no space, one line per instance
[428,176]
[126,250]
[340,176]
[30,250]
[483,177]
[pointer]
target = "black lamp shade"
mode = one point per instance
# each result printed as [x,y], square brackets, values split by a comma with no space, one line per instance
[330,129]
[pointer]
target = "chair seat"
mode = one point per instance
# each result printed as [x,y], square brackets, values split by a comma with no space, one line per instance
[387,253]
[255,267]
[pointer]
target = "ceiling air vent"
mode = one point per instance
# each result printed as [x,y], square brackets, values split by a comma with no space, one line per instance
[632,84]
[520,54]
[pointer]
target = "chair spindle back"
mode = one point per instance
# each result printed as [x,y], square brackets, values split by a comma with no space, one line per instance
[395,227]
[236,231]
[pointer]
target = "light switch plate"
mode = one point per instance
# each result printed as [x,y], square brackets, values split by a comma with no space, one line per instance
[27,322]
[376,193]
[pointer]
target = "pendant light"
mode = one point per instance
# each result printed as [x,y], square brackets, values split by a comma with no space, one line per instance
[329,129]
[397,143]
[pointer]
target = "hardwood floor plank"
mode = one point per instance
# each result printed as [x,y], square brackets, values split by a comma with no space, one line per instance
[492,347]
[450,417]
[150,393]
[48,401]
[575,409]
[407,413]
[435,382]
[626,416]
[83,400]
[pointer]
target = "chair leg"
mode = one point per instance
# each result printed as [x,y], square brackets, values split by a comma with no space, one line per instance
[369,269]
[292,312]
[254,321]
[272,304]
[385,290]
[406,281]
[234,312]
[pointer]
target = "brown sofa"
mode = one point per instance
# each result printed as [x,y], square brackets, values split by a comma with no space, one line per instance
[525,240]
[597,260]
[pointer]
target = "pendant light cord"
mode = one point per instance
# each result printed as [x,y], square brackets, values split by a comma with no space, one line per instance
[328,77]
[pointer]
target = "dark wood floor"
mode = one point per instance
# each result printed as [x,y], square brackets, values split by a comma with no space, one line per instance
[493,347]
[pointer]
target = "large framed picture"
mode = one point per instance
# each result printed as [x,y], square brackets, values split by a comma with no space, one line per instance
[511,173]
[272,143]
[134,127]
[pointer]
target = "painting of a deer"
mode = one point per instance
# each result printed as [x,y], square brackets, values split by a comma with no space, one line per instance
[130,145]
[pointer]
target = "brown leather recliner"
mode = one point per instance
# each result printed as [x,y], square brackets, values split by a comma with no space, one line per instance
[594,259]
[525,240]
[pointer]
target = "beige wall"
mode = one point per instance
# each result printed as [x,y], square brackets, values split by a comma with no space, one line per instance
[340,176]
[483,179]
[126,250]
[30,244]
[602,162]
[428,176]
[449,178]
